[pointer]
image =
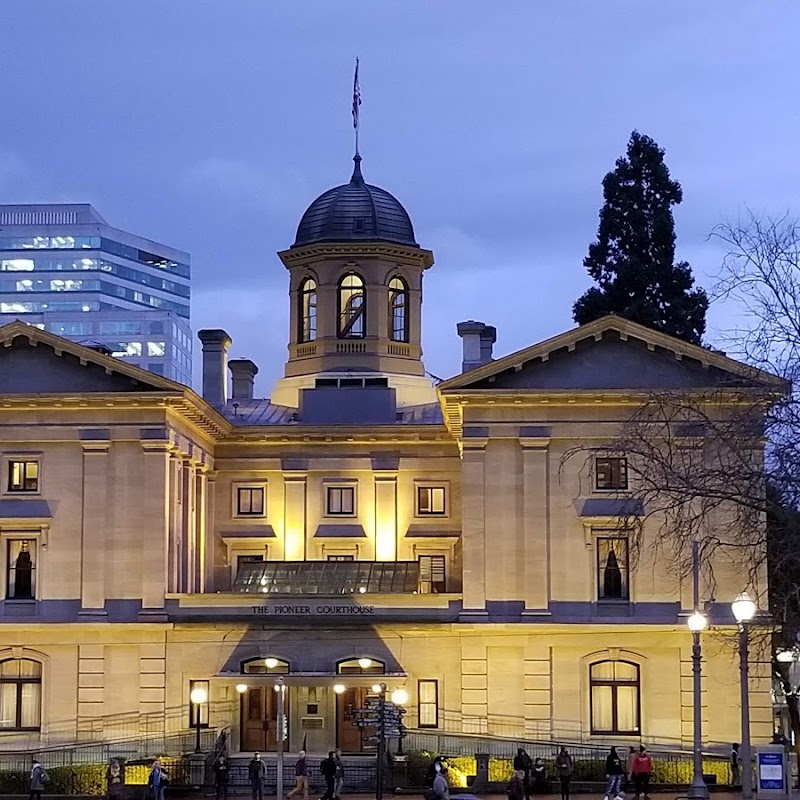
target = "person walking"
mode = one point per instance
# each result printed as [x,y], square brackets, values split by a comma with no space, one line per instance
[38,779]
[257,773]
[642,770]
[524,764]
[613,776]
[338,789]
[736,771]
[221,774]
[328,769]
[300,776]
[565,766]
[157,781]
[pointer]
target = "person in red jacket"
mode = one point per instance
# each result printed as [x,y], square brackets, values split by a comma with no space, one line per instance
[642,770]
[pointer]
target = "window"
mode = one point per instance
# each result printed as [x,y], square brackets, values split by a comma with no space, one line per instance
[614,698]
[23,476]
[611,473]
[398,310]
[612,568]
[70,328]
[428,704]
[342,557]
[258,666]
[430,501]
[361,666]
[21,572]
[248,559]
[20,695]
[352,308]
[249,501]
[307,311]
[431,575]
[341,501]
[202,708]
[156,348]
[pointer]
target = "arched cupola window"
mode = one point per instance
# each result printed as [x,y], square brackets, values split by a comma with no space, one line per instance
[307,311]
[398,310]
[352,307]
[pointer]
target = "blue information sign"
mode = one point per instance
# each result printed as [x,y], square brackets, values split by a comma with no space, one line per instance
[770,772]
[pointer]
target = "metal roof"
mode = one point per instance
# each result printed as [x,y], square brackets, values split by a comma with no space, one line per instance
[355,212]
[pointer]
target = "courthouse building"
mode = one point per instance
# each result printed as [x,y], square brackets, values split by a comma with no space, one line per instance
[361,525]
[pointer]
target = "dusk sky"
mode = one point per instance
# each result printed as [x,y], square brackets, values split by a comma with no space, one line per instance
[210,125]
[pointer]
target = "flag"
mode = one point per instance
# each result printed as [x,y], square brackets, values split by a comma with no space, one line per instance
[356,98]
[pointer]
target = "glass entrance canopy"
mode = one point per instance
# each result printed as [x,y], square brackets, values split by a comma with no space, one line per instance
[328,577]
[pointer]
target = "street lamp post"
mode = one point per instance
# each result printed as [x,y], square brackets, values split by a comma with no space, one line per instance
[381,692]
[280,688]
[198,696]
[744,609]
[697,623]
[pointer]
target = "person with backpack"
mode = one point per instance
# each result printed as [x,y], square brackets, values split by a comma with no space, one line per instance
[642,770]
[614,771]
[565,766]
[38,780]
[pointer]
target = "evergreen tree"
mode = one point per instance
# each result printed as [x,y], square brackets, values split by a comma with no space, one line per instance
[632,260]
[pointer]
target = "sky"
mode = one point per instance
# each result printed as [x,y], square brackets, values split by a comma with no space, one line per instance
[210,125]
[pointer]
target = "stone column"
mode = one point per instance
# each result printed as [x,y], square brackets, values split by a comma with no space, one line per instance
[201,528]
[95,525]
[155,525]
[473,469]
[188,524]
[535,546]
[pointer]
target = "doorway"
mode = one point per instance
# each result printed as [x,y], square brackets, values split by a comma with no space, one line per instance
[349,737]
[259,715]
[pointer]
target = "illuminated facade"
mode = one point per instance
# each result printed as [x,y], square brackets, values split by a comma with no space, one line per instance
[65,270]
[368,527]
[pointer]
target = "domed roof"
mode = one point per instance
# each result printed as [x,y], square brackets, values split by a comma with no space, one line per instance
[355,212]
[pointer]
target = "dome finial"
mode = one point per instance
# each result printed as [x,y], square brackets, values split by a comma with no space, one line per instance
[357,176]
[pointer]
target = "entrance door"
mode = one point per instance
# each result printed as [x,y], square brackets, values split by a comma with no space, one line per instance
[350,738]
[259,715]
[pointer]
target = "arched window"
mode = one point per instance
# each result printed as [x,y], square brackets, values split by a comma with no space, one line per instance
[615,698]
[352,307]
[265,665]
[307,311]
[359,666]
[20,695]
[398,310]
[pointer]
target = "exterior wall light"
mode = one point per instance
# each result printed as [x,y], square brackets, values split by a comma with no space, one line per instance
[365,663]
[241,688]
[339,688]
[271,662]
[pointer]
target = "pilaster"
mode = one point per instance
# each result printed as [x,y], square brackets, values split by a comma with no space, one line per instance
[386,517]
[95,523]
[473,470]
[535,564]
[295,535]
[155,525]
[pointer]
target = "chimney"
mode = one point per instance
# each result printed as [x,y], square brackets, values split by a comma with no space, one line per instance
[243,372]
[478,338]
[215,359]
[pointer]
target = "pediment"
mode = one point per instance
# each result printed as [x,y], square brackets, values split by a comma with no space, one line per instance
[611,355]
[36,362]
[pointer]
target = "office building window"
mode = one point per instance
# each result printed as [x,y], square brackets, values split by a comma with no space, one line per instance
[21,569]
[249,501]
[341,557]
[201,708]
[428,703]
[341,501]
[614,697]
[611,474]
[430,501]
[612,568]
[432,575]
[20,695]
[23,476]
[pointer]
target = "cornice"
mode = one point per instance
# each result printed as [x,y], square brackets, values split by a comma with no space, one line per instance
[416,256]
[416,434]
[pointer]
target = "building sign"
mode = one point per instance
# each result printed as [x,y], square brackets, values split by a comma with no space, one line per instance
[771,772]
[313,610]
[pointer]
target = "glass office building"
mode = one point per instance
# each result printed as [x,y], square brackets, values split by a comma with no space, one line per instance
[64,269]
